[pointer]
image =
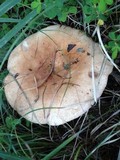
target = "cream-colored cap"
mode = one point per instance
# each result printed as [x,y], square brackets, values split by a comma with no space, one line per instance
[51,75]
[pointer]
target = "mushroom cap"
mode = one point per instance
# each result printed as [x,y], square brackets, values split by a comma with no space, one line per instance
[50,78]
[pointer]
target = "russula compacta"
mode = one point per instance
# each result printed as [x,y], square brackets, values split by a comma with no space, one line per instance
[51,76]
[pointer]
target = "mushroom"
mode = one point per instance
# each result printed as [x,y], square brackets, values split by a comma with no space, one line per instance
[55,75]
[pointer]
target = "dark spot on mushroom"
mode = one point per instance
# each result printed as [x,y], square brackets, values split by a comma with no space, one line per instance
[54,83]
[30,69]
[95,74]
[36,99]
[58,50]
[80,50]
[66,66]
[70,47]
[88,53]
[16,75]
[75,61]
[46,80]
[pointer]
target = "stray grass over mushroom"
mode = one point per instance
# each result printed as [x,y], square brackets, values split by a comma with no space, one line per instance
[55,75]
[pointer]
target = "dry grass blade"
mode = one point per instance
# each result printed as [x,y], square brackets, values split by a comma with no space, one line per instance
[104,49]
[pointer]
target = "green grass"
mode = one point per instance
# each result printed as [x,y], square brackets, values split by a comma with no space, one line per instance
[96,135]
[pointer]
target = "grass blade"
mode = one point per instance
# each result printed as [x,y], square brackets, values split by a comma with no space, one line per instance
[9,156]
[21,34]
[104,49]
[17,28]
[8,4]
[77,153]
[105,141]
[9,20]
[63,145]
[56,150]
